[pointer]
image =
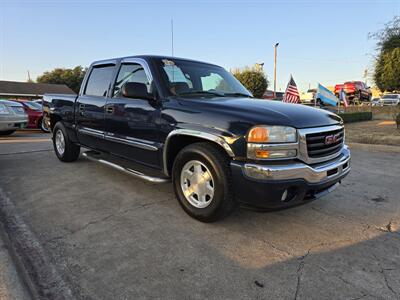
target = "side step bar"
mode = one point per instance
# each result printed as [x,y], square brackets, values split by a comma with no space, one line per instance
[91,155]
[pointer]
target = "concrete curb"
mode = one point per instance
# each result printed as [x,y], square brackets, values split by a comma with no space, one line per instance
[39,273]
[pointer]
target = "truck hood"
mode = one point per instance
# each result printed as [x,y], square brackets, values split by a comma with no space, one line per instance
[256,112]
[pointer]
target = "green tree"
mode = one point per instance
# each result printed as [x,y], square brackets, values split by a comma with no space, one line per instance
[387,70]
[71,77]
[387,65]
[254,80]
[388,38]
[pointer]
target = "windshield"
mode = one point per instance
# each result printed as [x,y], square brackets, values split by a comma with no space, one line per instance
[187,78]
[33,105]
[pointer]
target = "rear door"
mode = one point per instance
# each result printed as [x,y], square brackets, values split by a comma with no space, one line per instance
[132,124]
[90,106]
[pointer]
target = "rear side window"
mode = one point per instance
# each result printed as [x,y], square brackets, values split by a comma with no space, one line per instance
[99,81]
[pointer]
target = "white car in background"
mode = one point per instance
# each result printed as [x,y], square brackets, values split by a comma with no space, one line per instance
[12,117]
[390,100]
[308,97]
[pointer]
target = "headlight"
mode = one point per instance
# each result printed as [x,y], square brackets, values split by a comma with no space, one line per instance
[272,142]
[272,134]
[3,110]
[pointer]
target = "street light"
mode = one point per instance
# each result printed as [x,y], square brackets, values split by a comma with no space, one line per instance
[275,55]
[259,66]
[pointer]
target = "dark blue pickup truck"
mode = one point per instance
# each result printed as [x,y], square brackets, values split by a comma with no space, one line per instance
[166,118]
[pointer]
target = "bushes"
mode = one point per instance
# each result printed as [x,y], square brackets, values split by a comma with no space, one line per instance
[349,117]
[254,80]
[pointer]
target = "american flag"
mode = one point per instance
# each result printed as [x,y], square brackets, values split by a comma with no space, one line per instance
[291,94]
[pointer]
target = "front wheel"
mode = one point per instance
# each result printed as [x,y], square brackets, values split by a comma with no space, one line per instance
[66,151]
[202,182]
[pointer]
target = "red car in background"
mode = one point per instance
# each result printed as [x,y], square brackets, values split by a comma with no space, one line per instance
[35,114]
[354,90]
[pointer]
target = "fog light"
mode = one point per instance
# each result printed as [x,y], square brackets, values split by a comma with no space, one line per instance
[284,195]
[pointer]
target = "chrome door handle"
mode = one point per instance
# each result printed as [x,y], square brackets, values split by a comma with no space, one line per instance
[81,109]
[110,109]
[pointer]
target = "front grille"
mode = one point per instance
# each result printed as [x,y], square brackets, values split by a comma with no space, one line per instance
[318,147]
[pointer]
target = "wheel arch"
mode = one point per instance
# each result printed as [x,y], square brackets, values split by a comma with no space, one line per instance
[54,118]
[180,138]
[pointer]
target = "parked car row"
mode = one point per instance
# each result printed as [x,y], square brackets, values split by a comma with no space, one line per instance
[18,114]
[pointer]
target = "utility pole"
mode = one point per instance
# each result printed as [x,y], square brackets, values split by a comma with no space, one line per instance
[29,77]
[366,76]
[275,56]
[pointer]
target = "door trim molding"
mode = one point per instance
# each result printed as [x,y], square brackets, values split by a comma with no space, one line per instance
[92,132]
[131,142]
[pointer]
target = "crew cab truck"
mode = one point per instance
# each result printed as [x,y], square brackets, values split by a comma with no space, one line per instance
[166,118]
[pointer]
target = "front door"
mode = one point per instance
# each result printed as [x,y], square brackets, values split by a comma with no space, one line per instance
[131,124]
[90,105]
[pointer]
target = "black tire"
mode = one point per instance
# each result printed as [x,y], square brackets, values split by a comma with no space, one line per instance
[218,164]
[42,126]
[71,150]
[8,132]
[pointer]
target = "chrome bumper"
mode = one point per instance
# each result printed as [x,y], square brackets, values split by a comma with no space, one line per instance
[317,173]
[8,123]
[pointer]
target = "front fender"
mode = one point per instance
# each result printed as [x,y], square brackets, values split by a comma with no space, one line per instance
[225,140]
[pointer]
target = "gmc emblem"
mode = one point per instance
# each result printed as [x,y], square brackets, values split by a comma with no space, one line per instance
[333,138]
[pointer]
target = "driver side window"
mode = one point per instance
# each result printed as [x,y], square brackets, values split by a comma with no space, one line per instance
[130,73]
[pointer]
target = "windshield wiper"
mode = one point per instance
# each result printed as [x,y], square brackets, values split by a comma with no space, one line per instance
[196,92]
[238,95]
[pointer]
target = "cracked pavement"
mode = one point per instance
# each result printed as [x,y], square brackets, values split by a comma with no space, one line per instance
[112,236]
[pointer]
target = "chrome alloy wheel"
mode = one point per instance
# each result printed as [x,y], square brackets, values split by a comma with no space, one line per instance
[197,184]
[60,142]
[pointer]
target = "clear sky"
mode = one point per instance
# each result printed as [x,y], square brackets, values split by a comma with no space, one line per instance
[320,41]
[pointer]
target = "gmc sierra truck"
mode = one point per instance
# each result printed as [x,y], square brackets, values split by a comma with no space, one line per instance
[166,118]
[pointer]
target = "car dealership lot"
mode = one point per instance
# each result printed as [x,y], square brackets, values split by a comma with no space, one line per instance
[112,236]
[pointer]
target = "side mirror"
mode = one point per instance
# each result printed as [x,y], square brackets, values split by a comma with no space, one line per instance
[136,90]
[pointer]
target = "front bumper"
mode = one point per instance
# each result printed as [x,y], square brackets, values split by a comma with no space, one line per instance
[12,122]
[284,185]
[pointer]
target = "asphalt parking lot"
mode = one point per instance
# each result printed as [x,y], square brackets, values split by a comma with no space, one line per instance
[112,236]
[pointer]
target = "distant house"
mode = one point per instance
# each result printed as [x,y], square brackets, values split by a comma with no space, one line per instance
[28,90]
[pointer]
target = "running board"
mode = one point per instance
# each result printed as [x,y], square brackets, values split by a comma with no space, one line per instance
[91,155]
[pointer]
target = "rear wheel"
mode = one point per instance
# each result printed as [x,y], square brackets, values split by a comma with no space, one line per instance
[202,182]
[66,151]
[8,132]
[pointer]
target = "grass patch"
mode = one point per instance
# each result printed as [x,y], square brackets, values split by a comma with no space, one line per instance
[370,132]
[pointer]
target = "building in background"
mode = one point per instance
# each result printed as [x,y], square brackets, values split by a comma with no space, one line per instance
[30,91]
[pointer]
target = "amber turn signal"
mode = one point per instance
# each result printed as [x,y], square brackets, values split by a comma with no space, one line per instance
[262,153]
[258,135]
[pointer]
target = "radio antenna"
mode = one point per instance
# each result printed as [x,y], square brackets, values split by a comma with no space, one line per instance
[172,37]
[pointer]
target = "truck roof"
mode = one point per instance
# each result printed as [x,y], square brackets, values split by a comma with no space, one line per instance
[150,57]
